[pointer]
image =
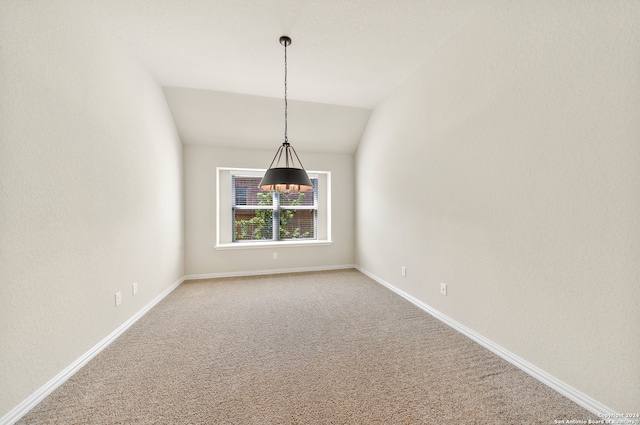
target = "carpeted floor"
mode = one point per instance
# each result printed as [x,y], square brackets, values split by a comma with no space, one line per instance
[329,347]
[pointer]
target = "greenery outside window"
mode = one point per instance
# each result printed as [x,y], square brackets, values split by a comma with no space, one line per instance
[272,216]
[246,216]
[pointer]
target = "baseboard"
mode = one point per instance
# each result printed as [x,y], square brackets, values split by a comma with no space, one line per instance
[23,408]
[566,390]
[270,271]
[571,393]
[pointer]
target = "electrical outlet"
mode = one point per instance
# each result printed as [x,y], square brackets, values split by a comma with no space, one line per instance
[134,288]
[275,255]
[403,271]
[118,298]
[443,289]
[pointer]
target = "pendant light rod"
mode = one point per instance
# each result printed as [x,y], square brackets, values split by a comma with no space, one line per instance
[285,41]
[289,177]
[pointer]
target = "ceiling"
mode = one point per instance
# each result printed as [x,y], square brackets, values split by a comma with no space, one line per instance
[232,120]
[344,53]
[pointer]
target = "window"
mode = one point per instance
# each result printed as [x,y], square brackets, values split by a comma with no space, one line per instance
[248,218]
[259,215]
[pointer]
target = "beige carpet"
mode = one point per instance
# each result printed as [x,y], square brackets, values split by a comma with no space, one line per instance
[304,348]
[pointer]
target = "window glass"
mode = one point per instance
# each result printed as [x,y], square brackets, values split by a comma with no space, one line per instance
[259,215]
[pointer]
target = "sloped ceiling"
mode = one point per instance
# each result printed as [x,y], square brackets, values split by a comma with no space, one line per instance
[346,57]
[233,120]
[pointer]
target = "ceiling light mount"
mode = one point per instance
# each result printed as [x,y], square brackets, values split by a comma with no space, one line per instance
[285,41]
[290,177]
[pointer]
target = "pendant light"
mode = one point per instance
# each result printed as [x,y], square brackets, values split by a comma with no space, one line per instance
[291,176]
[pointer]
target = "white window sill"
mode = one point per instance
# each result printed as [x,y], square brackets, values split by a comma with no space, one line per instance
[254,245]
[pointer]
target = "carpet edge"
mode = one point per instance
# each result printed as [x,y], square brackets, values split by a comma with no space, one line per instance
[561,387]
[268,272]
[15,414]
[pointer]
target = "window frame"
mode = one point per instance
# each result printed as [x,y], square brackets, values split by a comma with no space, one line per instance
[223,213]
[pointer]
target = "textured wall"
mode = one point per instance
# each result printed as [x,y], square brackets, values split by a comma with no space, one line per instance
[200,164]
[512,158]
[90,188]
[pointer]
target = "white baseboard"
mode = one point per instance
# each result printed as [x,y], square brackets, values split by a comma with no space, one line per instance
[270,271]
[571,393]
[30,402]
[566,390]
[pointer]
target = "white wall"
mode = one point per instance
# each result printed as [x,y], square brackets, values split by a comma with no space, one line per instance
[90,190]
[508,167]
[200,164]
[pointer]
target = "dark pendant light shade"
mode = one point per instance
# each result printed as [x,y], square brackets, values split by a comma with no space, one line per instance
[287,178]
[291,176]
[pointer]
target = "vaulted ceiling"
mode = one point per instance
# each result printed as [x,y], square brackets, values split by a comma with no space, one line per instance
[222,67]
